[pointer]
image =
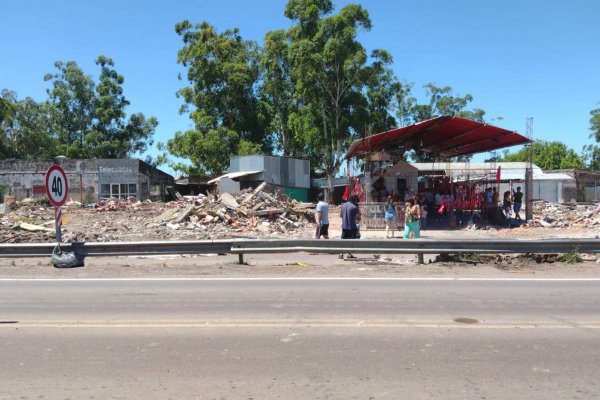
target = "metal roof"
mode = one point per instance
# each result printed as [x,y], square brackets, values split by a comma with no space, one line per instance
[447,136]
[510,170]
[233,175]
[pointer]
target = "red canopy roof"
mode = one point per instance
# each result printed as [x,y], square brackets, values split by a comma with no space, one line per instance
[447,136]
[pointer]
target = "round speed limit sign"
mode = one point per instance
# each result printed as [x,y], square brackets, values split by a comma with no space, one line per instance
[57,185]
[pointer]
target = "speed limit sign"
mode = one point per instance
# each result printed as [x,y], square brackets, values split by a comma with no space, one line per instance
[57,186]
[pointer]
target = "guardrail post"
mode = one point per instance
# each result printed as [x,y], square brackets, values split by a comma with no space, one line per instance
[240,258]
[420,258]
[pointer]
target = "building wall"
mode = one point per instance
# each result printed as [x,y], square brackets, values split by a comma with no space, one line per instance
[280,171]
[587,185]
[548,190]
[23,178]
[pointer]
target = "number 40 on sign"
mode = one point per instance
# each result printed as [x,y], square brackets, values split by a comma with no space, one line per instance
[57,185]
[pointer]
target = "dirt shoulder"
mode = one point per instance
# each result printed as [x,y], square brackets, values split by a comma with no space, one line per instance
[291,265]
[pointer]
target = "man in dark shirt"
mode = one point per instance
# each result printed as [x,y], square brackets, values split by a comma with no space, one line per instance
[517,202]
[350,214]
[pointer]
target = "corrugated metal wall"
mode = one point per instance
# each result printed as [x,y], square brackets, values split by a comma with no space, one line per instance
[281,171]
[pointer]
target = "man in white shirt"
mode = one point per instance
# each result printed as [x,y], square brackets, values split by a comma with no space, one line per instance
[322,217]
[409,194]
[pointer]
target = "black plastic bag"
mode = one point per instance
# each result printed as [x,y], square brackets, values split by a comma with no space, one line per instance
[66,259]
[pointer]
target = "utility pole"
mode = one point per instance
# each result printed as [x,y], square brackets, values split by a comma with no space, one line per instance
[529,170]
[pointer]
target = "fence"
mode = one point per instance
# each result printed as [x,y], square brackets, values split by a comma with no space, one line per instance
[332,246]
[373,215]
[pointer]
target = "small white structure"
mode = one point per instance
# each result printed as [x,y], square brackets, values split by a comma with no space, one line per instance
[401,177]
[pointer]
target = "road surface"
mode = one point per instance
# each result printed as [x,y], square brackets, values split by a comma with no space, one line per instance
[308,338]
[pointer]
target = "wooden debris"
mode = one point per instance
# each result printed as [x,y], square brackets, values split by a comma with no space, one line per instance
[258,189]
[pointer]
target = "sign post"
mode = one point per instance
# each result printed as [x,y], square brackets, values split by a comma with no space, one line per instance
[57,188]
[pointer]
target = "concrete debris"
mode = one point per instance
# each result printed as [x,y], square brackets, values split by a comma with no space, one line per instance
[247,214]
[33,228]
[555,215]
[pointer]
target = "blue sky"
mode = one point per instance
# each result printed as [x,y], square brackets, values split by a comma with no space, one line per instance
[517,58]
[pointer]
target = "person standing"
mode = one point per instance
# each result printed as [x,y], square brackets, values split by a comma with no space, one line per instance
[507,204]
[412,219]
[517,202]
[350,214]
[322,217]
[390,217]
[438,204]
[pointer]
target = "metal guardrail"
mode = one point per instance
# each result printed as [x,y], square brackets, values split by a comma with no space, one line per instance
[417,246]
[331,246]
[118,248]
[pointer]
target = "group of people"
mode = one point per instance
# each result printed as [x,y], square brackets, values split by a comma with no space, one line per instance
[351,216]
[412,214]
[485,204]
[513,200]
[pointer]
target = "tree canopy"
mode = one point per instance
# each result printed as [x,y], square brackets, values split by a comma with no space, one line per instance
[80,118]
[89,119]
[308,92]
[548,156]
[591,152]
[25,128]
[223,72]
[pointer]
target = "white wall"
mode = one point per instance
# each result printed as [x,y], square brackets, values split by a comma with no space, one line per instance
[227,185]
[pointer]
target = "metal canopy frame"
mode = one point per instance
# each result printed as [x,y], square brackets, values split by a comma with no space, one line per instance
[446,136]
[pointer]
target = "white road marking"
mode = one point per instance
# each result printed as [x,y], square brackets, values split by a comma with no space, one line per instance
[250,279]
[310,324]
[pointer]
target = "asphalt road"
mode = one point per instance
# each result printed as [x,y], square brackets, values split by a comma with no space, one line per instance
[320,338]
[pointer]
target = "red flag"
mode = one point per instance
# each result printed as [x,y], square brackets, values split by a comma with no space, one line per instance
[346,195]
[498,174]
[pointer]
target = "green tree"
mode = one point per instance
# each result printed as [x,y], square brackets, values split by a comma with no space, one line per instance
[548,156]
[72,95]
[384,92]
[223,71]
[441,102]
[90,119]
[591,152]
[113,135]
[595,124]
[328,64]
[277,93]
[7,110]
[591,157]
[26,128]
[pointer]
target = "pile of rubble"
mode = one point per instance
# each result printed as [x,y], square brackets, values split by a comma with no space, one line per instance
[555,215]
[247,214]
[244,214]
